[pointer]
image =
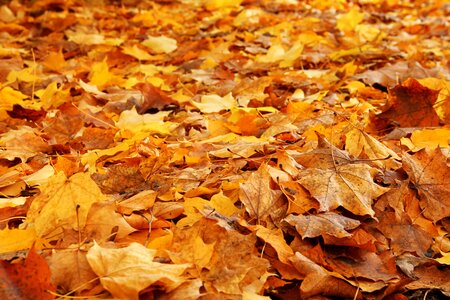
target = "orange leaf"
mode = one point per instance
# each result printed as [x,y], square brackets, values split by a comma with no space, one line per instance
[29,279]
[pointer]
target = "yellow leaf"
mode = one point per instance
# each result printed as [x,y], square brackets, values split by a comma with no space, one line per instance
[358,142]
[427,138]
[275,53]
[25,75]
[369,33]
[16,239]
[218,4]
[136,52]
[55,61]
[193,251]
[63,202]
[100,74]
[276,239]
[9,97]
[347,22]
[192,209]
[126,271]
[160,44]
[445,259]
[82,38]
[291,55]
[223,205]
[215,103]
[52,96]
[133,122]
[349,52]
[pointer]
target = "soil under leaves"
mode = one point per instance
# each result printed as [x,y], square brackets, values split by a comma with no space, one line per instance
[224,149]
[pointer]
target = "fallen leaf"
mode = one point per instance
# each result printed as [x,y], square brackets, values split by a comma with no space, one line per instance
[326,223]
[63,202]
[350,186]
[411,105]
[29,279]
[71,271]
[259,199]
[429,171]
[124,272]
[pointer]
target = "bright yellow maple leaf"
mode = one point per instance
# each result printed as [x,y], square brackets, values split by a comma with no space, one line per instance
[16,239]
[348,22]
[220,4]
[52,96]
[101,76]
[427,138]
[63,203]
[126,271]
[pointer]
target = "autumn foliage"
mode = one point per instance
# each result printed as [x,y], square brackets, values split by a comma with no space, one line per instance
[224,149]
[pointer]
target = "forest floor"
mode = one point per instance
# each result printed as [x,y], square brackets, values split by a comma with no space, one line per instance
[224,149]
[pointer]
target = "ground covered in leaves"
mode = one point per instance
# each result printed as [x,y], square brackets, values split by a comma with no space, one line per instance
[224,149]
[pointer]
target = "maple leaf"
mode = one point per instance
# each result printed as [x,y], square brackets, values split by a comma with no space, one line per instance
[327,223]
[63,202]
[350,186]
[404,234]
[358,142]
[29,279]
[429,173]
[104,223]
[411,105]
[126,271]
[276,239]
[16,239]
[317,280]
[427,138]
[259,199]
[62,264]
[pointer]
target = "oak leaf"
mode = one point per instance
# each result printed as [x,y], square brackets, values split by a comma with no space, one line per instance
[126,271]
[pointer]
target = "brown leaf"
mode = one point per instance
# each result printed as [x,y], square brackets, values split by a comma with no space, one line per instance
[154,98]
[405,236]
[429,173]
[411,105]
[326,223]
[350,186]
[318,281]
[258,197]
[71,271]
[232,266]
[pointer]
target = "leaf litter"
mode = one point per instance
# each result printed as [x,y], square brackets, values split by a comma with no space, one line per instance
[215,149]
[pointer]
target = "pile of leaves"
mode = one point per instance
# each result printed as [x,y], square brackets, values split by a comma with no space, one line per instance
[224,149]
